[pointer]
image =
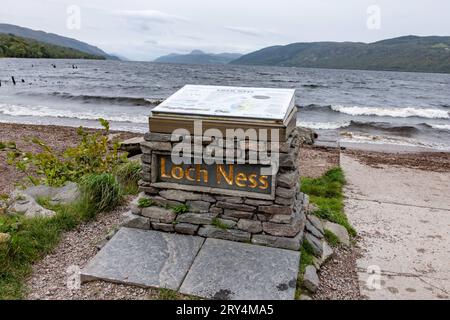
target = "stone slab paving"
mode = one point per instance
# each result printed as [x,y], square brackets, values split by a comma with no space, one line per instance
[216,269]
[403,218]
[144,258]
[233,270]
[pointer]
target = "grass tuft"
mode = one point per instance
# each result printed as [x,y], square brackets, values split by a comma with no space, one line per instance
[180,209]
[128,175]
[216,222]
[100,192]
[326,192]
[145,202]
[331,238]
[306,259]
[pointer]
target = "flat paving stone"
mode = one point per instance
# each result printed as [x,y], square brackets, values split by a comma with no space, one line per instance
[229,270]
[144,258]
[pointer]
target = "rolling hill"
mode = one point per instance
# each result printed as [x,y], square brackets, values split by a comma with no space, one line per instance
[53,39]
[409,53]
[199,57]
[12,46]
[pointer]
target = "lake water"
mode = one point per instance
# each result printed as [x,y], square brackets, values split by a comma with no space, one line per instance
[402,109]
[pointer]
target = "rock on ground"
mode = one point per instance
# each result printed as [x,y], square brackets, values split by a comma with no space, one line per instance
[310,279]
[339,231]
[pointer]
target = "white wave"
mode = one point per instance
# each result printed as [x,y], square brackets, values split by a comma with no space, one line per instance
[323,125]
[440,126]
[85,114]
[351,137]
[393,112]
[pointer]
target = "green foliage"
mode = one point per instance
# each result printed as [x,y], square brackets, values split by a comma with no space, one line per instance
[31,239]
[219,224]
[326,192]
[18,47]
[101,192]
[128,175]
[145,202]
[93,154]
[7,145]
[167,294]
[410,53]
[331,238]
[306,259]
[180,209]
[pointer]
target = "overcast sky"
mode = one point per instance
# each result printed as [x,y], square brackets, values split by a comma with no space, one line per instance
[146,29]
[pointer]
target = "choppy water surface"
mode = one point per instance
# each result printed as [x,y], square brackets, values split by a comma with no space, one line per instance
[405,109]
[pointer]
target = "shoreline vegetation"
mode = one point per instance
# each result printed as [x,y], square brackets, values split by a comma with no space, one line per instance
[106,187]
[12,46]
[104,177]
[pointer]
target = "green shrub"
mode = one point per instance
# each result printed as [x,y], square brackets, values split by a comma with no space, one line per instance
[93,154]
[100,192]
[128,175]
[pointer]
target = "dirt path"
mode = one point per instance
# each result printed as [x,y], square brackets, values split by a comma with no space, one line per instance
[403,218]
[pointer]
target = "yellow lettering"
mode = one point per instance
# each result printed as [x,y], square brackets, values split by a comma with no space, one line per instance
[252,180]
[163,168]
[188,174]
[263,180]
[241,178]
[221,172]
[177,172]
[199,172]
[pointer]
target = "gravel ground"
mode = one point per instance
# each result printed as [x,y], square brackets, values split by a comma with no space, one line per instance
[51,275]
[315,161]
[338,277]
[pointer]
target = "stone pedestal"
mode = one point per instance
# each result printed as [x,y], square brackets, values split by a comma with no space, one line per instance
[274,218]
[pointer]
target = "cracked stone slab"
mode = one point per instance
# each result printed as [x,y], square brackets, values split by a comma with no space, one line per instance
[229,270]
[144,258]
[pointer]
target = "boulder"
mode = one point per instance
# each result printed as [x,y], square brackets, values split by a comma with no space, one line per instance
[310,279]
[339,231]
[25,204]
[327,252]
[57,195]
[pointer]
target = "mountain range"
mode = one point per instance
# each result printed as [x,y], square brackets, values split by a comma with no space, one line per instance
[409,53]
[199,57]
[53,39]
